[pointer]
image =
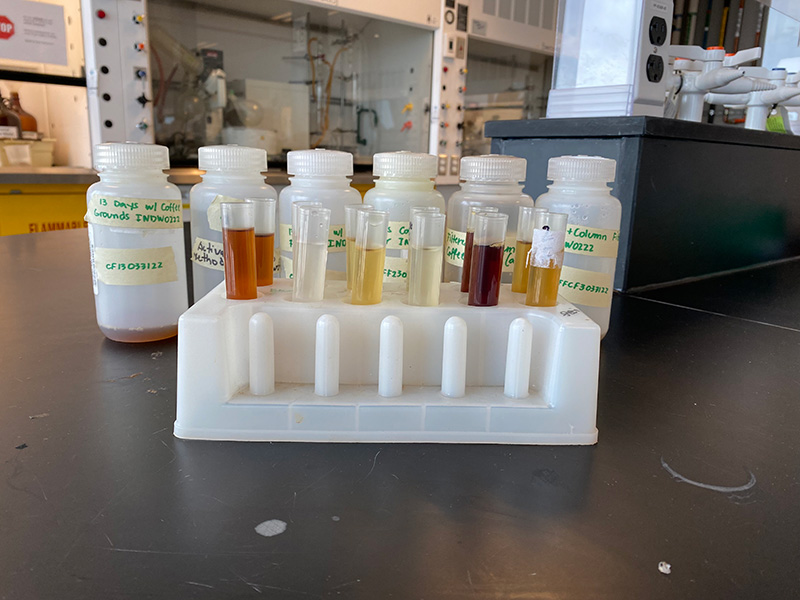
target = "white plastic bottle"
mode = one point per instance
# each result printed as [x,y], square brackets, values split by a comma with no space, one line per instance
[590,251]
[231,173]
[403,180]
[321,176]
[489,180]
[136,239]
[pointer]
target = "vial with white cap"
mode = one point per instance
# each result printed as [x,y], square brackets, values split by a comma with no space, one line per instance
[580,190]
[489,180]
[403,180]
[318,176]
[232,173]
[136,242]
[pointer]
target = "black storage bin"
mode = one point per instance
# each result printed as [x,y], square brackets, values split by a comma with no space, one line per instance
[696,199]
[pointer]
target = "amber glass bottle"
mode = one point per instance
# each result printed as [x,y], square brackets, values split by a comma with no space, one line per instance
[10,126]
[28,126]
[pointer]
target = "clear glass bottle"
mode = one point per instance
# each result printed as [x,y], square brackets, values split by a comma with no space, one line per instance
[136,242]
[231,173]
[321,176]
[489,180]
[590,251]
[403,180]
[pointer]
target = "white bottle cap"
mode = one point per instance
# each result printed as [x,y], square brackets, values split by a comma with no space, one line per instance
[493,167]
[320,163]
[131,156]
[581,168]
[404,165]
[231,157]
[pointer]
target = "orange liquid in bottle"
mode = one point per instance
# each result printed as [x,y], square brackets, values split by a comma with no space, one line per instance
[239,248]
[265,250]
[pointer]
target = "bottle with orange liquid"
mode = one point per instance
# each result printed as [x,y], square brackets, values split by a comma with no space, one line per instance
[28,125]
[545,259]
[239,250]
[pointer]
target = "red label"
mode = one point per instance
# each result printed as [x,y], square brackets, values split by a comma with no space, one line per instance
[6,27]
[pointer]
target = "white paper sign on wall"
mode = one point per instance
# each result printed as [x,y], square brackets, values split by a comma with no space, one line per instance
[32,31]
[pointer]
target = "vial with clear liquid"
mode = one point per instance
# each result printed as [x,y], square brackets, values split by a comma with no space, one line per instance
[425,268]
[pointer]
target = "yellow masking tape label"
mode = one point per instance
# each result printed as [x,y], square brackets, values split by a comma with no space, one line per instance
[286,266]
[214,211]
[395,268]
[208,254]
[589,288]
[591,241]
[135,266]
[454,245]
[139,213]
[336,241]
[397,235]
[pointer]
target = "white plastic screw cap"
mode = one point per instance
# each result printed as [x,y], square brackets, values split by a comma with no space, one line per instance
[231,157]
[404,164]
[493,167]
[132,156]
[581,168]
[319,162]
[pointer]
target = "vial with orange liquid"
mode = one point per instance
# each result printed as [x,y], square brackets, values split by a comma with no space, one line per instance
[239,250]
[519,280]
[545,259]
[265,238]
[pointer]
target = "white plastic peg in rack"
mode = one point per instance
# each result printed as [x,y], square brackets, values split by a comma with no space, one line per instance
[271,369]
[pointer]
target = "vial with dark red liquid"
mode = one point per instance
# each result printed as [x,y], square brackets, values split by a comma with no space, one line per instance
[465,271]
[486,267]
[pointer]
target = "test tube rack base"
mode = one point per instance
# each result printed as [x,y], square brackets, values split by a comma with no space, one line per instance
[271,369]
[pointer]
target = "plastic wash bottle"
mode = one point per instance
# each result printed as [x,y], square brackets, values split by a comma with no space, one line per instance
[592,239]
[322,176]
[489,180]
[232,173]
[403,180]
[136,243]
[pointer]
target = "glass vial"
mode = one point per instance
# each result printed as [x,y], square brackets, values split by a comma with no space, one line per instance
[519,281]
[465,272]
[265,238]
[425,268]
[371,230]
[487,258]
[310,246]
[350,214]
[545,259]
[239,248]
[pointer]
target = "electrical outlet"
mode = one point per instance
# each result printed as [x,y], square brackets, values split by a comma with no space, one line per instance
[658,31]
[654,68]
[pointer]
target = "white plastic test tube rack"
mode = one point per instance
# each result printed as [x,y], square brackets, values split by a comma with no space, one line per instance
[271,369]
